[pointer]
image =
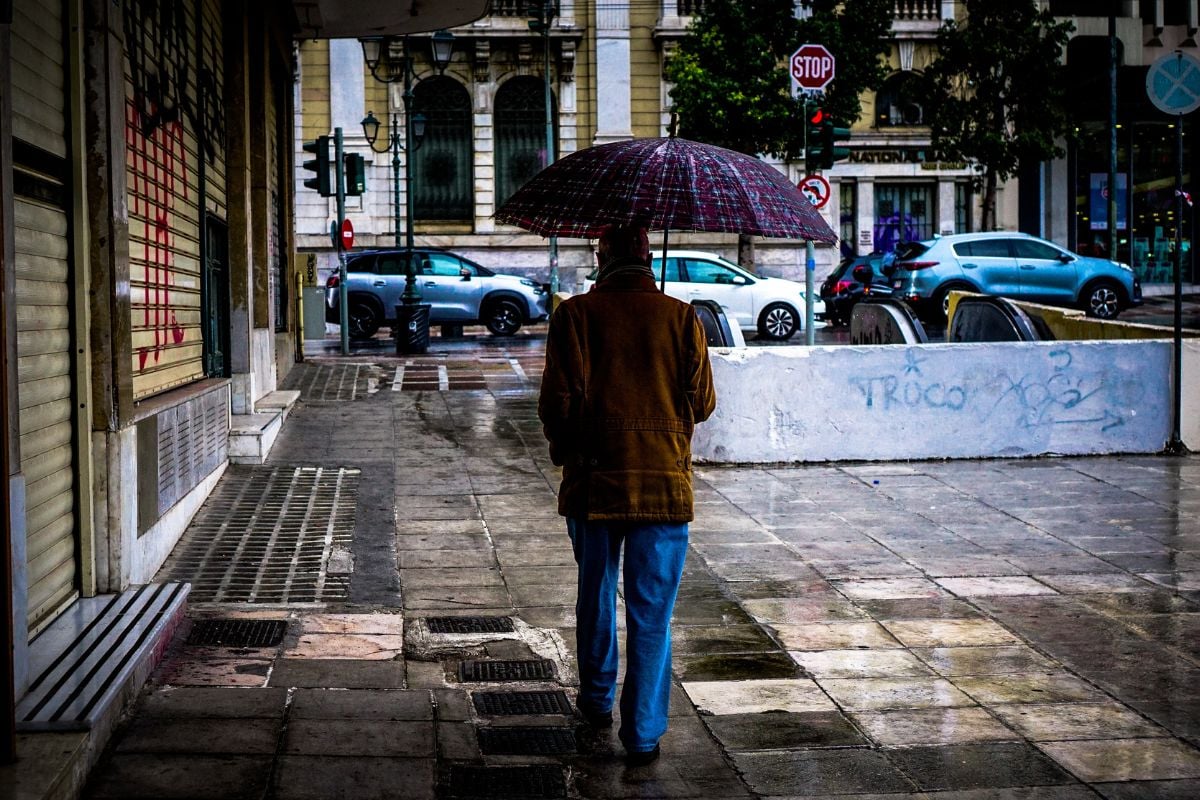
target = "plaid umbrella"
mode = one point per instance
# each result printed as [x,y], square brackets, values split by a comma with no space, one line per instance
[663,184]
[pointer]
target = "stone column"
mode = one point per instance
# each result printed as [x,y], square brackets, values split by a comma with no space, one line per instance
[614,118]
[866,216]
[945,206]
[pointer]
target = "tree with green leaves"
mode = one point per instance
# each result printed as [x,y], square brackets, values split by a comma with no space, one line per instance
[996,92]
[732,85]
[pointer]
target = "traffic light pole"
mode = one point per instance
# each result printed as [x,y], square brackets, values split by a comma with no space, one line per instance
[810,265]
[343,300]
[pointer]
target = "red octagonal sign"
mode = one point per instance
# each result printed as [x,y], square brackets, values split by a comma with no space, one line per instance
[811,67]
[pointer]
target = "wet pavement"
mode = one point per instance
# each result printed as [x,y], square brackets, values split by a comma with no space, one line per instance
[959,630]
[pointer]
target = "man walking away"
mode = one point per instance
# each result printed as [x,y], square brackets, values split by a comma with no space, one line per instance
[627,377]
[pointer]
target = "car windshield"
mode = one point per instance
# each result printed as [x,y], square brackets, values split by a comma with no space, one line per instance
[910,250]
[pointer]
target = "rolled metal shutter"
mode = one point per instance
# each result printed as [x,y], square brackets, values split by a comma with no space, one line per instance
[45,383]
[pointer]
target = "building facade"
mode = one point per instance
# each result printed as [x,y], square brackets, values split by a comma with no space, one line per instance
[486,134]
[1066,199]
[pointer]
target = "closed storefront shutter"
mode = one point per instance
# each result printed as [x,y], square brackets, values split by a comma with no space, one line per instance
[46,386]
[162,158]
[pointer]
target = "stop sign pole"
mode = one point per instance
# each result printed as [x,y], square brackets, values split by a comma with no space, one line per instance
[812,69]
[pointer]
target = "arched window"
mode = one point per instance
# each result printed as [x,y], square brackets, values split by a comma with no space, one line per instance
[898,101]
[442,177]
[520,119]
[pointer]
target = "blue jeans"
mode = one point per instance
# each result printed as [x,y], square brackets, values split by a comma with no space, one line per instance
[654,554]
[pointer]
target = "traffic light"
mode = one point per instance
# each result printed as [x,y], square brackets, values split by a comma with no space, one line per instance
[355,170]
[542,14]
[319,166]
[820,150]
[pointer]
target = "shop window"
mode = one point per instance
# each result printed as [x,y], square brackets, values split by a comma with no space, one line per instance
[520,119]
[898,101]
[443,181]
[903,213]
[848,218]
[964,198]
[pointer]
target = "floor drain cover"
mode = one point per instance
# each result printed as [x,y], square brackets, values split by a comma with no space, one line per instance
[526,741]
[506,670]
[237,632]
[470,624]
[530,781]
[509,703]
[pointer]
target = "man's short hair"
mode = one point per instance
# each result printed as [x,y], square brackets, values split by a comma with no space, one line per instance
[626,242]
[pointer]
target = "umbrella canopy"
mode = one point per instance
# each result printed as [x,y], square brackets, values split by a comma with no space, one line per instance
[663,184]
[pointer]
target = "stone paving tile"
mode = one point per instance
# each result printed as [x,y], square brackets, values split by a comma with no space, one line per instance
[908,727]
[245,672]
[1062,792]
[948,633]
[467,577]
[751,697]
[1065,721]
[323,777]
[835,636]
[784,731]
[811,608]
[425,598]
[954,661]
[1126,759]
[984,587]
[360,737]
[1088,584]
[734,666]
[875,694]
[700,639]
[352,623]
[213,703]
[166,776]
[367,646]
[1057,687]
[338,674]
[825,773]
[1184,580]
[420,559]
[931,608]
[361,704]
[1150,790]
[861,663]
[890,589]
[201,736]
[990,767]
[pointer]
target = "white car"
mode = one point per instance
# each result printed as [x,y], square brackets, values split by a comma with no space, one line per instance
[772,307]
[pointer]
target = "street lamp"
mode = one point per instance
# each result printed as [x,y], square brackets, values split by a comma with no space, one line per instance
[389,60]
[540,24]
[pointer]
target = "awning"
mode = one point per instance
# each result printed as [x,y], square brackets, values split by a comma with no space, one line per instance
[337,19]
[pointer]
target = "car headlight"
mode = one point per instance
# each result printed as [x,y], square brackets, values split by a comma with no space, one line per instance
[529,283]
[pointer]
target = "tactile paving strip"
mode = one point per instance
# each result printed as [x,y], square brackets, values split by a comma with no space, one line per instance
[266,534]
[536,781]
[470,624]
[334,381]
[540,741]
[534,670]
[513,703]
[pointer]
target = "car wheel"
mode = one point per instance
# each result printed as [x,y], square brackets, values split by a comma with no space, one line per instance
[504,318]
[778,321]
[1101,300]
[941,301]
[364,319]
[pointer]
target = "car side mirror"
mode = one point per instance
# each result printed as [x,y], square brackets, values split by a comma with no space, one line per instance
[1066,258]
[863,274]
[464,273]
[738,280]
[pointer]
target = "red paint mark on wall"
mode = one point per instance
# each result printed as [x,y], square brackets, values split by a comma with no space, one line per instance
[158,181]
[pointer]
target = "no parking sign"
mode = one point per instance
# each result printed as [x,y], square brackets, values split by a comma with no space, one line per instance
[816,189]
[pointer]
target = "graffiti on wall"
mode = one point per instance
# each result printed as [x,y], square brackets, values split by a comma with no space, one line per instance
[1057,393]
[159,177]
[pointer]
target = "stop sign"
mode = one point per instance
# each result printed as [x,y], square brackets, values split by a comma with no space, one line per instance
[811,68]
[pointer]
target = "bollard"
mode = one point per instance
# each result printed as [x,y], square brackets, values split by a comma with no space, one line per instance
[412,328]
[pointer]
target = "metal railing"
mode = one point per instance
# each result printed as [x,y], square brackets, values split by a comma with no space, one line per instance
[918,9]
[686,8]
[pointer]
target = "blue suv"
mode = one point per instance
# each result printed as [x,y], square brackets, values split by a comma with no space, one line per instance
[1013,265]
[458,291]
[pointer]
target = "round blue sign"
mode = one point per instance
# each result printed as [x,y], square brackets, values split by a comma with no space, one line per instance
[1173,83]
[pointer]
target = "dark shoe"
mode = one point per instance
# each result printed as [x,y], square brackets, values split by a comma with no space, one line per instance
[640,758]
[597,719]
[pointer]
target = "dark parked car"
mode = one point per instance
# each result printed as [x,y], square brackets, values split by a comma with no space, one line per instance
[851,281]
[458,291]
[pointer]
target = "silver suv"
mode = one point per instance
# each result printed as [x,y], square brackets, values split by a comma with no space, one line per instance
[1014,265]
[458,291]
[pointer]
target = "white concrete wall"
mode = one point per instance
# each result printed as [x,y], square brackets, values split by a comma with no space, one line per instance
[1189,427]
[793,404]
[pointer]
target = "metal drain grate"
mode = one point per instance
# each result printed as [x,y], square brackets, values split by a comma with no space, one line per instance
[506,670]
[513,703]
[470,624]
[237,632]
[266,535]
[540,780]
[526,741]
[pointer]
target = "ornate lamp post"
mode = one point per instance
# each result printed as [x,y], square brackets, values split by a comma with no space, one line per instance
[389,60]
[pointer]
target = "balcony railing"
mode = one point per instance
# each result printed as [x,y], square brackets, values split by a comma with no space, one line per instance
[685,8]
[918,10]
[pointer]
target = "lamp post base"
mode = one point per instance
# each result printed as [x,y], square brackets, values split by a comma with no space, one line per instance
[412,328]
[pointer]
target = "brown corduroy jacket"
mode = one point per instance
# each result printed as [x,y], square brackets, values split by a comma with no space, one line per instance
[627,377]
